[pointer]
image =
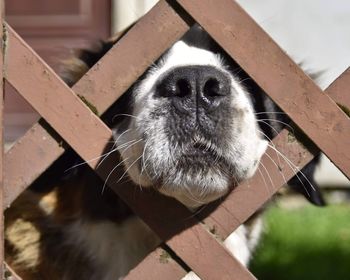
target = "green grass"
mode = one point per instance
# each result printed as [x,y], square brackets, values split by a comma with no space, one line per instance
[307,243]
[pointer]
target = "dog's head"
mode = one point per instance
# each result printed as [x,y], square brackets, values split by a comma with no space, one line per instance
[190,130]
[194,125]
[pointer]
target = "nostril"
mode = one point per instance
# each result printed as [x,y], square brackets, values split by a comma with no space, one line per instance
[183,88]
[213,88]
[174,87]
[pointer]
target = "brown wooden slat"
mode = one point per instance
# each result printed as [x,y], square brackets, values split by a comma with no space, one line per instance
[278,75]
[157,265]
[38,136]
[201,252]
[54,100]
[36,149]
[204,263]
[150,268]
[339,89]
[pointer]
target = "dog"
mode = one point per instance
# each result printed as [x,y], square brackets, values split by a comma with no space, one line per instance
[192,127]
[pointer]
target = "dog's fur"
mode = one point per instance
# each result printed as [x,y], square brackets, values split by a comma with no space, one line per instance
[192,127]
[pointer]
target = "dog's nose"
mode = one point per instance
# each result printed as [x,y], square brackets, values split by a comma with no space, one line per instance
[195,86]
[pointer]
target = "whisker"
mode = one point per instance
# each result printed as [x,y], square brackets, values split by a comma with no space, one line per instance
[125,115]
[279,113]
[110,173]
[274,129]
[192,196]
[143,156]
[86,162]
[277,166]
[126,131]
[132,144]
[103,155]
[278,121]
[126,171]
[116,148]
[294,167]
[268,138]
[269,125]
[268,175]
[246,79]
[142,169]
[144,164]
[263,177]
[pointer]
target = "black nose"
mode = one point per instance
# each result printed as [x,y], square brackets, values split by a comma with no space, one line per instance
[195,86]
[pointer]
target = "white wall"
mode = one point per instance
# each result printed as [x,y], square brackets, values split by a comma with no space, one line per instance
[126,12]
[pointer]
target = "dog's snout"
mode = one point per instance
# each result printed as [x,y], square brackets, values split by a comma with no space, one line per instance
[195,86]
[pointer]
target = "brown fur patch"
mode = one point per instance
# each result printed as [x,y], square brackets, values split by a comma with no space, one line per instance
[23,233]
[73,70]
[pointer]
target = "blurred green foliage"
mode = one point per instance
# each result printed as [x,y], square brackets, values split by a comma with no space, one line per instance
[305,243]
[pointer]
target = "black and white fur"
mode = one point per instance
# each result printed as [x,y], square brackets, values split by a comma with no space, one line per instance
[192,127]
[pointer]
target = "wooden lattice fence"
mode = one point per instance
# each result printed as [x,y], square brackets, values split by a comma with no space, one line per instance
[64,124]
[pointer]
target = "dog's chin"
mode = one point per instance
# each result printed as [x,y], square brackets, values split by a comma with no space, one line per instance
[191,199]
[192,190]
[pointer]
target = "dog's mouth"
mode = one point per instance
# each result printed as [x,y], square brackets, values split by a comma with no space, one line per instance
[201,153]
[198,149]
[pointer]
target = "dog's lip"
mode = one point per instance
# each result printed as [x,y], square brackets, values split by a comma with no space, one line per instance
[199,148]
[203,148]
